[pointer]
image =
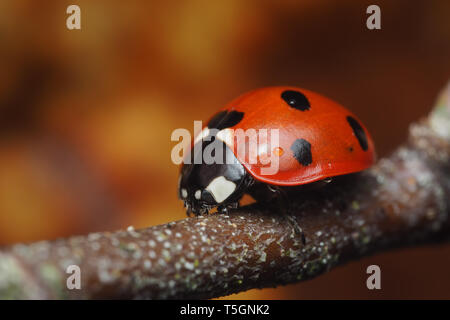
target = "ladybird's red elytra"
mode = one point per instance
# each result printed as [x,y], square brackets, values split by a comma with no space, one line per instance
[323,138]
[317,139]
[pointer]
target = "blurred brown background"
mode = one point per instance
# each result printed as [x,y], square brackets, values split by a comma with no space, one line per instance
[86,115]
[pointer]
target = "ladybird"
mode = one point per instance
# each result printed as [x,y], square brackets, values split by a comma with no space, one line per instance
[317,139]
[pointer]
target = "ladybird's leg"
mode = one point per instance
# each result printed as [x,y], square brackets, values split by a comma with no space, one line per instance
[202,211]
[283,203]
[262,192]
[293,222]
[222,209]
[234,205]
[188,210]
[227,207]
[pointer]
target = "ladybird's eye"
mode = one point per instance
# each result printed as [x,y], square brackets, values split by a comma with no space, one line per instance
[184,193]
[207,197]
[198,194]
[296,99]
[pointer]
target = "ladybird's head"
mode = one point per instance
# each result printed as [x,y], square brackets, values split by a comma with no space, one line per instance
[204,186]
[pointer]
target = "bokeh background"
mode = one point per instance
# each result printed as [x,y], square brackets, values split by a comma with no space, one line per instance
[86,115]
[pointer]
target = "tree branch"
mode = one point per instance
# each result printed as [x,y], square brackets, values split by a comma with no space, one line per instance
[403,200]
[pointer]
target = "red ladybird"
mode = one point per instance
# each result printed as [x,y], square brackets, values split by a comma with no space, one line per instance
[317,139]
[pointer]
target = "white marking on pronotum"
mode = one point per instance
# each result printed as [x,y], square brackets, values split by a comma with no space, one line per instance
[221,188]
[184,193]
[198,194]
[226,135]
[202,135]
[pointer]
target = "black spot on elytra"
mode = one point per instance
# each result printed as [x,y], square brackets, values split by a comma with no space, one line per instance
[302,151]
[216,119]
[296,99]
[359,132]
[225,119]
